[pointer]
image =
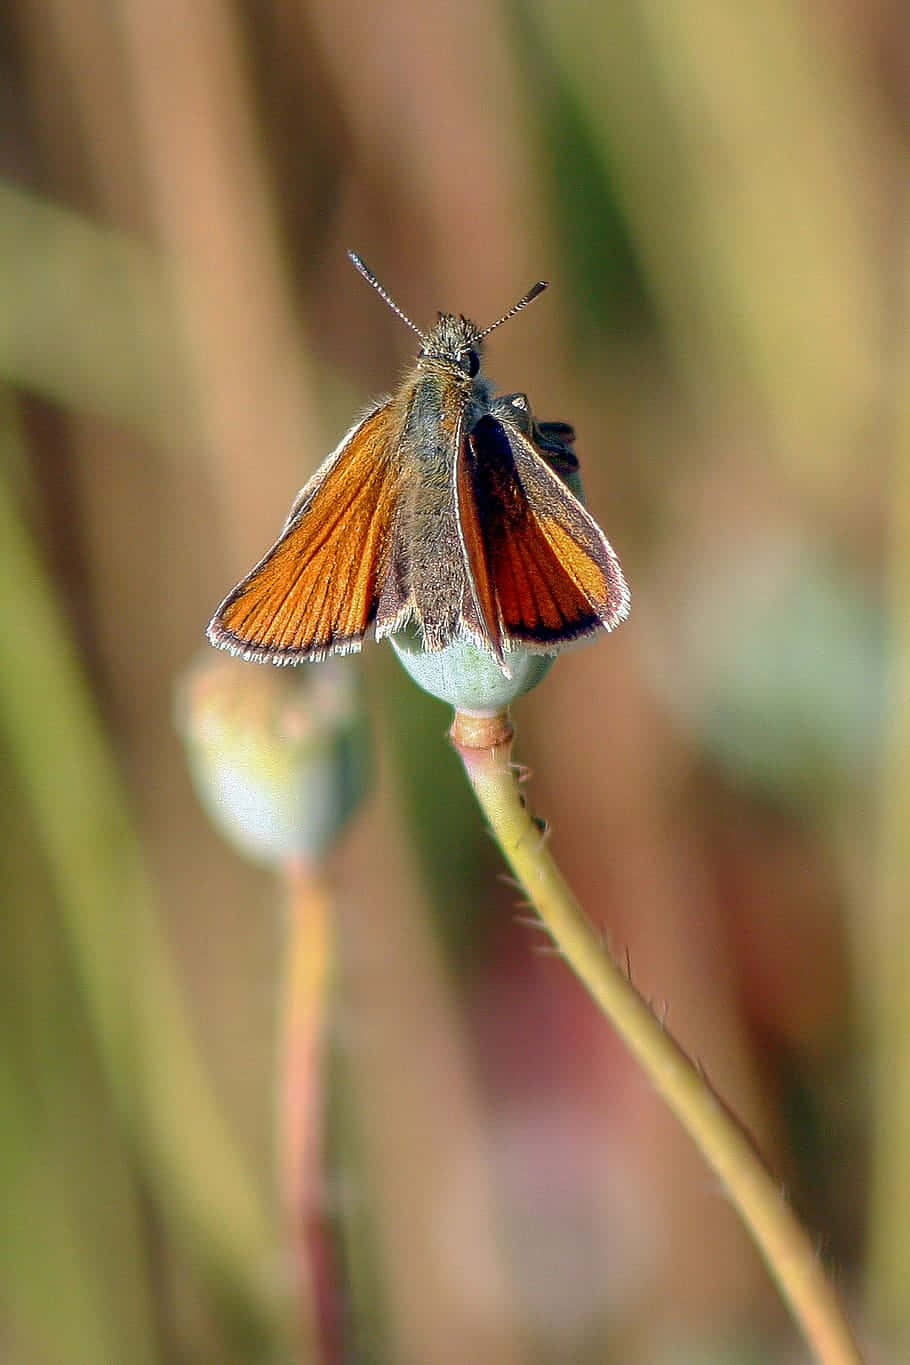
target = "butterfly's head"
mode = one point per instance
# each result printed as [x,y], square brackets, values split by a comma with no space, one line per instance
[454,345]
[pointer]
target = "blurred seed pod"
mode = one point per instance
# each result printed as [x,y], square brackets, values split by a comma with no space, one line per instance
[278,757]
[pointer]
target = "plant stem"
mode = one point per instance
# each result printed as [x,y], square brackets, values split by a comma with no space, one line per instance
[485,747]
[887,978]
[308,967]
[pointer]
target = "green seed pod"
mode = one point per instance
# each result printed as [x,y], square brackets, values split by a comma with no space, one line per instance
[467,677]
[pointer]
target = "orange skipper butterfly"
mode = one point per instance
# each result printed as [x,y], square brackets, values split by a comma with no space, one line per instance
[444,508]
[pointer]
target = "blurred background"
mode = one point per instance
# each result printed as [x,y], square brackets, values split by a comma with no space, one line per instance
[719,198]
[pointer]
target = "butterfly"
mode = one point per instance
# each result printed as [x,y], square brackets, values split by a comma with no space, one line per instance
[445,509]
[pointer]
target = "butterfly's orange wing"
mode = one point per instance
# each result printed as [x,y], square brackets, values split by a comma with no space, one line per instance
[535,555]
[316,591]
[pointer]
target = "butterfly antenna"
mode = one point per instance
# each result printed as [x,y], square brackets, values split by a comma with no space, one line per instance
[370,278]
[523,302]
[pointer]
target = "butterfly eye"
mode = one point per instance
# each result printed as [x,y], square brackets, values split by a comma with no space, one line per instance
[470,361]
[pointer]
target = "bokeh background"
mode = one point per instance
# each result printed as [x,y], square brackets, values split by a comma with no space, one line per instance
[719,196]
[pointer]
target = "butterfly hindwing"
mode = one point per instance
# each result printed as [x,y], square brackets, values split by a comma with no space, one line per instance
[316,591]
[536,558]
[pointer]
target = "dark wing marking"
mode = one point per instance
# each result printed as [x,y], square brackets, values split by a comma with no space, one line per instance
[553,572]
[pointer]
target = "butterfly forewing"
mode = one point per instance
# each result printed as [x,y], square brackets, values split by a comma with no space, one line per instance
[317,589]
[552,571]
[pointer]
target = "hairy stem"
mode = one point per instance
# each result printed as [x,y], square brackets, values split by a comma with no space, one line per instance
[485,747]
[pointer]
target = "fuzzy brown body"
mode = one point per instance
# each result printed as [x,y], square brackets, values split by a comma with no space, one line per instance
[444,508]
[428,580]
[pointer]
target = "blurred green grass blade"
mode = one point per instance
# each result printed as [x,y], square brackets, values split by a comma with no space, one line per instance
[69,775]
[84,316]
[745,203]
[49,1287]
[600,264]
[73,1274]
